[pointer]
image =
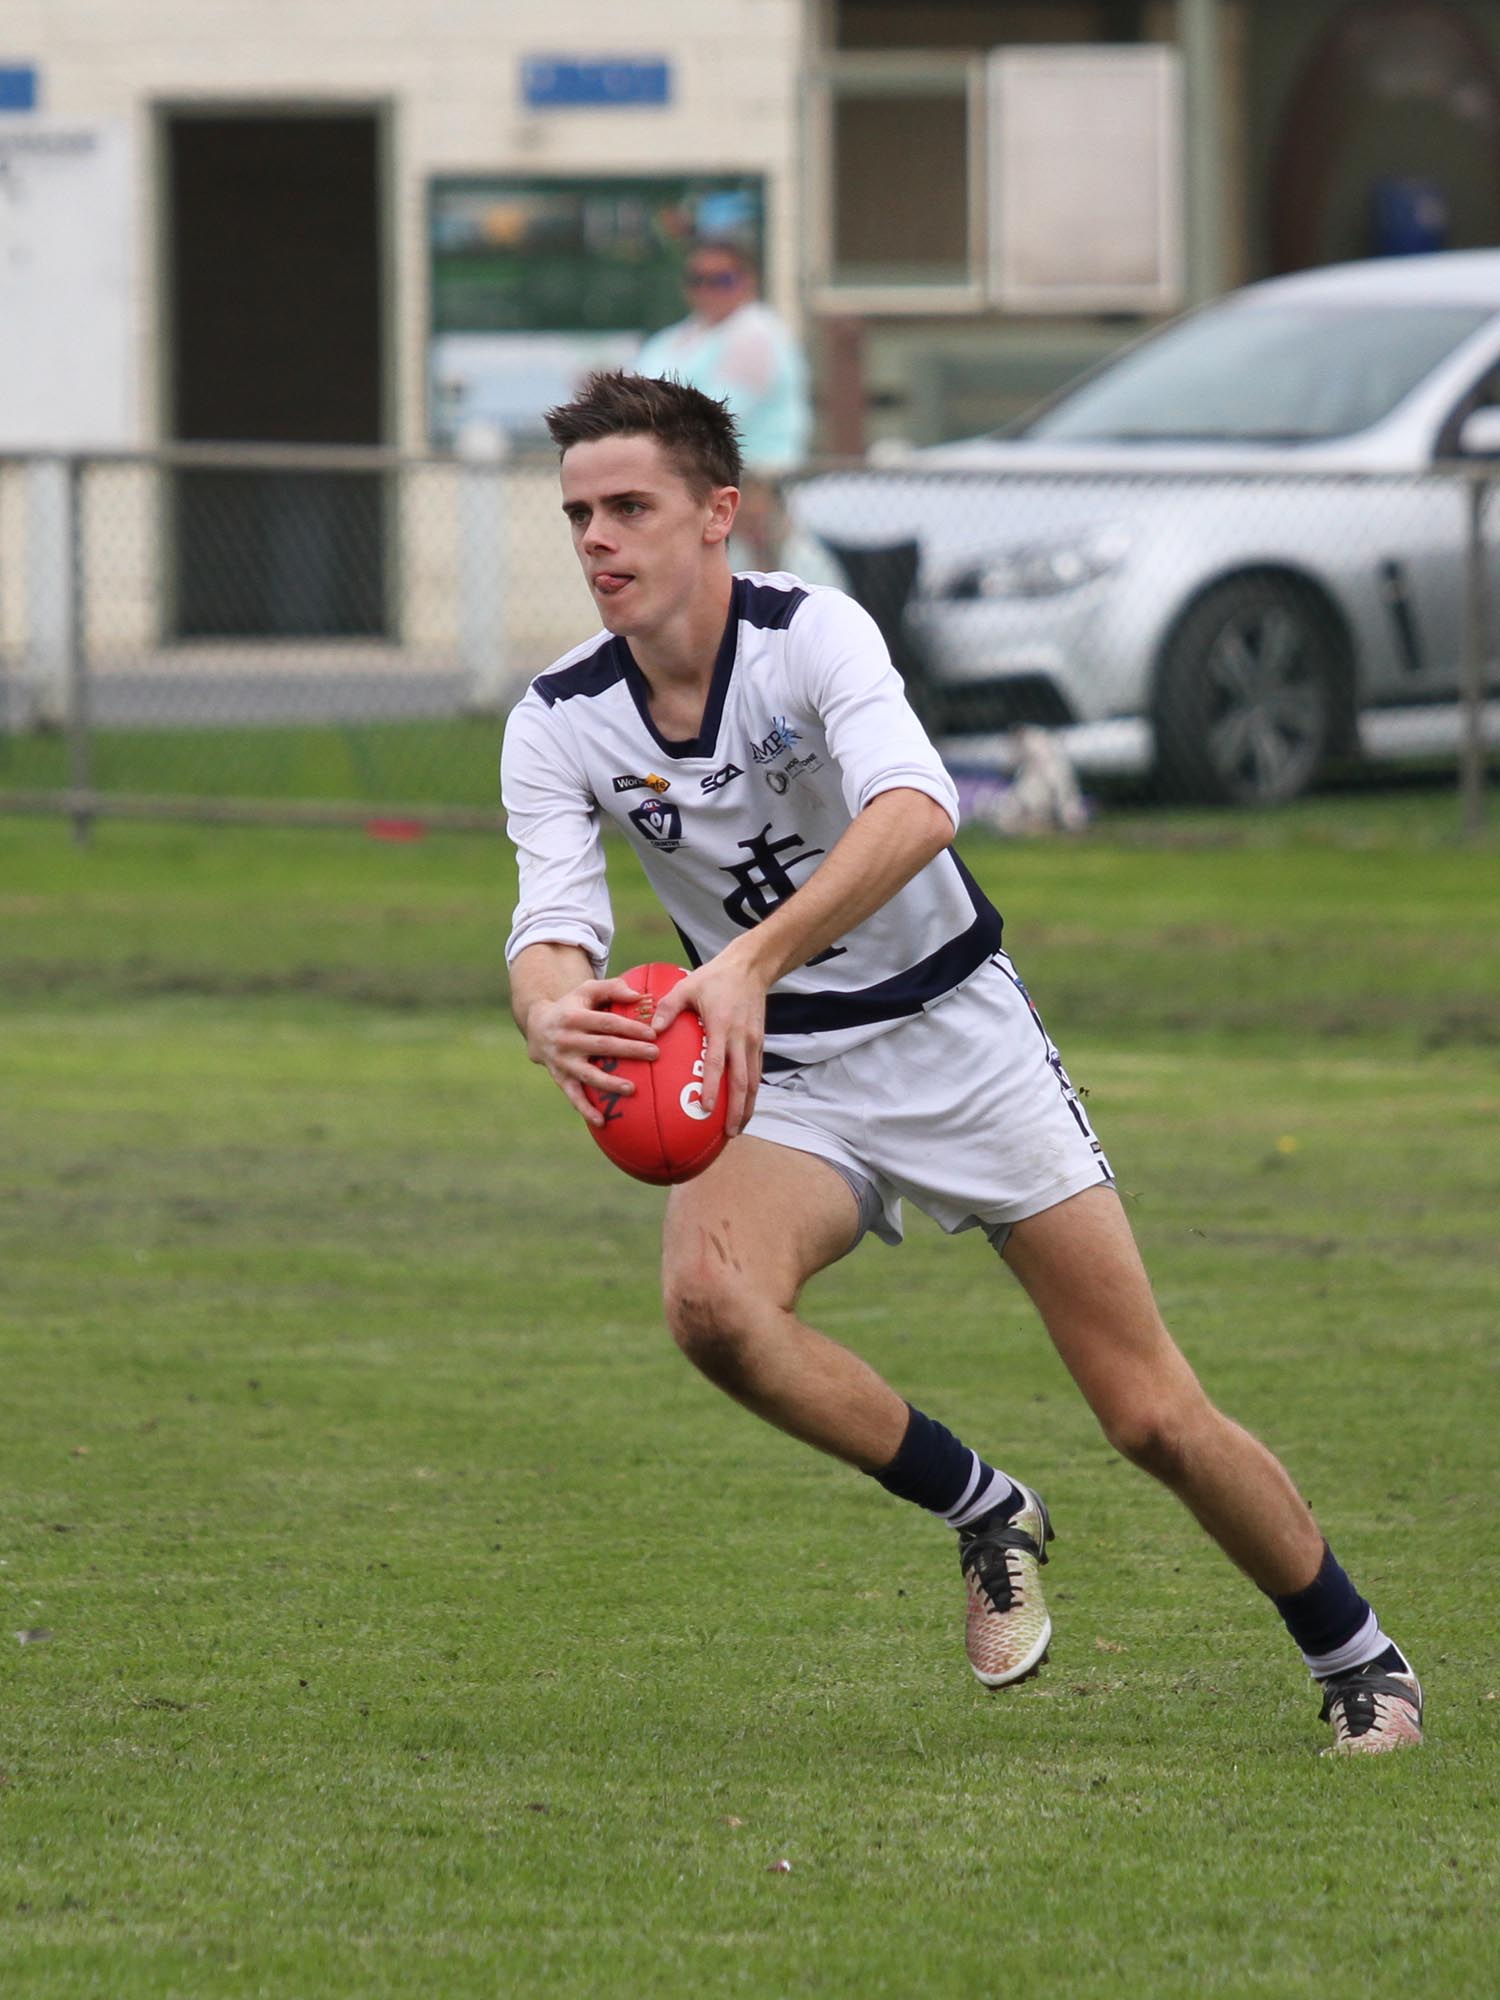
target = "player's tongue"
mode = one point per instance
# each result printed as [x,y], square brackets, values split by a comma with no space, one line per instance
[608,582]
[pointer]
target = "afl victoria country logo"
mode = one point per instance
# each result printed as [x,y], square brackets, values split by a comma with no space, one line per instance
[659,825]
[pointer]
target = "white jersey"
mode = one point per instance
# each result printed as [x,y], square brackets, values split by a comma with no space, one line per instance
[806,721]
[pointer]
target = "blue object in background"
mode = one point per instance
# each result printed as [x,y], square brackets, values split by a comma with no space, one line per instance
[1407,217]
[733,213]
[563,83]
[17,87]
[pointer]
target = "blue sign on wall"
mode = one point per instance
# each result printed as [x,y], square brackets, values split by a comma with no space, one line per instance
[17,87]
[566,83]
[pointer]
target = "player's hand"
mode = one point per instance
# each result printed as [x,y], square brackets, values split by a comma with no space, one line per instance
[572,1036]
[730,998]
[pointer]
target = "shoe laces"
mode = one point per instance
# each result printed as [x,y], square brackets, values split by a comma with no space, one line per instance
[1361,1702]
[993,1559]
[1355,1713]
[998,1573]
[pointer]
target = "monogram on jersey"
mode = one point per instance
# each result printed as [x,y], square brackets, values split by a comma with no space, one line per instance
[764,882]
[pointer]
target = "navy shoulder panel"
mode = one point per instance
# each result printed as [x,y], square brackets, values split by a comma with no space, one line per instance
[594,675]
[763,604]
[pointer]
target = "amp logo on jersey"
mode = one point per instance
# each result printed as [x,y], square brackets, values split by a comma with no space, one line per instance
[764,882]
[659,824]
[780,736]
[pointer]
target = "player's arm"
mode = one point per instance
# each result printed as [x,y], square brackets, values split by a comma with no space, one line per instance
[563,1011]
[561,933]
[890,841]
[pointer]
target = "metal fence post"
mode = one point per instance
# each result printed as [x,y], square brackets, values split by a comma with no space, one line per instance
[80,740]
[50,525]
[1475,663]
[481,581]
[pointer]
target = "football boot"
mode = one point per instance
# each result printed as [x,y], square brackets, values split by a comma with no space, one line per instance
[1372,1709]
[1008,1630]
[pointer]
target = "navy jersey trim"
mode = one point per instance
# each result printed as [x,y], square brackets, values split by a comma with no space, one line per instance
[767,607]
[904,992]
[690,950]
[595,675]
[701,745]
[977,896]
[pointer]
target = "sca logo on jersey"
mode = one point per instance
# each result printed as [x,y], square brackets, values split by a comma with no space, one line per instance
[659,824]
[650,783]
[795,767]
[691,1098]
[717,780]
[781,736]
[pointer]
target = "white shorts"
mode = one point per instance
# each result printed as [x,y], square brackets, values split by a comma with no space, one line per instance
[965,1110]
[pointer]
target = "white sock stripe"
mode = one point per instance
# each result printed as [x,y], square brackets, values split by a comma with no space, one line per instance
[976,1471]
[982,1502]
[1367,1644]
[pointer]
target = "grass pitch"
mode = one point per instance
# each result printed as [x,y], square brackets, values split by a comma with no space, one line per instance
[417,1622]
[451,763]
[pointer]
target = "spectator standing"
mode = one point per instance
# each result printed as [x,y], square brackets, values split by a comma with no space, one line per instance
[737,349]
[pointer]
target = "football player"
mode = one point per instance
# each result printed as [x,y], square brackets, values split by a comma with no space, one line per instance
[748,736]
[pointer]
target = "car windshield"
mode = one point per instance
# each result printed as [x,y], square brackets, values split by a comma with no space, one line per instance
[1261,374]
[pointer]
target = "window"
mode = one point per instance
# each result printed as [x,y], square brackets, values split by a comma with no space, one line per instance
[1093,227]
[1262,374]
[893,149]
[955,181]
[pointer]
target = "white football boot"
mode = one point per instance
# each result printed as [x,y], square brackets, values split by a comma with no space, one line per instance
[1008,1629]
[1372,1709]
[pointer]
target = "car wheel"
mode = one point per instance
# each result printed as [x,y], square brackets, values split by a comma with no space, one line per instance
[1246,696]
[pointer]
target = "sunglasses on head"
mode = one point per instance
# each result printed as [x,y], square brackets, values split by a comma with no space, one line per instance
[714,280]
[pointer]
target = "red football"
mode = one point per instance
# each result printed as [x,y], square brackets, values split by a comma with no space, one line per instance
[660,1132]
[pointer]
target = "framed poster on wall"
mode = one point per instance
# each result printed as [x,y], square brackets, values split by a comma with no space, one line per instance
[536,280]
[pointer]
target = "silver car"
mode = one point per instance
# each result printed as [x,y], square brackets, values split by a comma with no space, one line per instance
[1224,557]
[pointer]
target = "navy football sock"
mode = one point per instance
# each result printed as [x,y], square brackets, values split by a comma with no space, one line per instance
[1333,1627]
[934,1470]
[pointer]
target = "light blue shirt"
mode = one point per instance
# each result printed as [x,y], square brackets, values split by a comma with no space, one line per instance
[750,361]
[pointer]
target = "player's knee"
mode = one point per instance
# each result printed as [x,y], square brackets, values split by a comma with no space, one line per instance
[1153,1436]
[710,1325]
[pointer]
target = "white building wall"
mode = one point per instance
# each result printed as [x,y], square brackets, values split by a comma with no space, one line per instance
[451,75]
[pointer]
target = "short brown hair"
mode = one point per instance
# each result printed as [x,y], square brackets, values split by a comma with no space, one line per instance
[696,431]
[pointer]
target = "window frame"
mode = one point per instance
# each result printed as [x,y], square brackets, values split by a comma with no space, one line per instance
[893,73]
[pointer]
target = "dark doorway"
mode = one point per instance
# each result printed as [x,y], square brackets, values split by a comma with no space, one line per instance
[1396,113]
[276,338]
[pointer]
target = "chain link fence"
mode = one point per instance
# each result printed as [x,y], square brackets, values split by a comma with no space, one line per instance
[326,636]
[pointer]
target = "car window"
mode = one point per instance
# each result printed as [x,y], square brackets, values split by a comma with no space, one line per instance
[1262,373]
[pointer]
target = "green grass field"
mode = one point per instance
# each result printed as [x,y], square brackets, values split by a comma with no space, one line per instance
[419,1623]
[449,763]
